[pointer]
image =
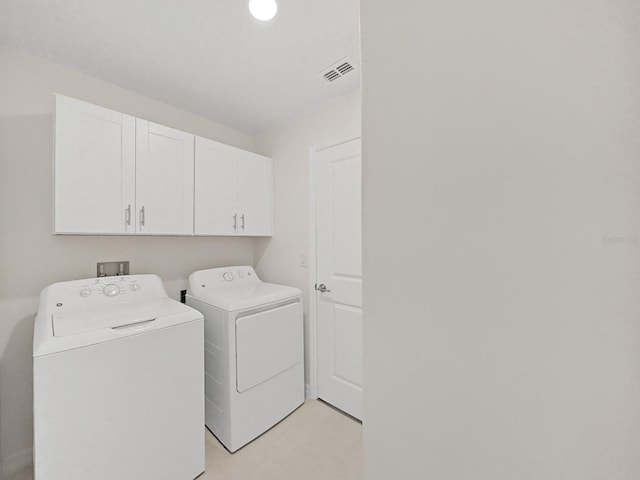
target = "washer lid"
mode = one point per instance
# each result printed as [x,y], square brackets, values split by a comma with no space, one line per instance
[114,316]
[78,313]
[246,296]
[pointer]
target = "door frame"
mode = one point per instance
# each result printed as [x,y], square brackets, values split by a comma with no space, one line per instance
[311,389]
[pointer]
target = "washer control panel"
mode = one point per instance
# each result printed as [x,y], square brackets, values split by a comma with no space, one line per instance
[101,292]
[109,286]
[111,290]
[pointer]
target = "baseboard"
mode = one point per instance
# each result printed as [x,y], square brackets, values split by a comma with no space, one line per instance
[309,393]
[16,462]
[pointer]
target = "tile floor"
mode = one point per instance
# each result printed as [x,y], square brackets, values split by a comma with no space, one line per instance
[316,442]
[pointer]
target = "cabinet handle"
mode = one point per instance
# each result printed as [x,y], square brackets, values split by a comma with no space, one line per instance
[235,221]
[127,215]
[142,217]
[242,218]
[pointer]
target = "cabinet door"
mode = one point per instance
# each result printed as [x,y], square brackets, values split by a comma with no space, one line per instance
[164,180]
[255,195]
[216,188]
[94,169]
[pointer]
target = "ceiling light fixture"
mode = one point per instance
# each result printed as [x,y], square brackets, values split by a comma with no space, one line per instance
[263,9]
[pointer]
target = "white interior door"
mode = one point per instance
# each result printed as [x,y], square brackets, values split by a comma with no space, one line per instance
[339,270]
[164,179]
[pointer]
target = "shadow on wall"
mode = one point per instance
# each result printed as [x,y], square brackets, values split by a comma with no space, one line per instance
[260,245]
[26,147]
[16,388]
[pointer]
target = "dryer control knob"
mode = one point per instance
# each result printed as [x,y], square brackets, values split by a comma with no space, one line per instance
[134,286]
[111,290]
[228,276]
[85,292]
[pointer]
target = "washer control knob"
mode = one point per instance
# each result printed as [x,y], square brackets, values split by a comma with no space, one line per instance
[228,276]
[111,290]
[85,292]
[134,286]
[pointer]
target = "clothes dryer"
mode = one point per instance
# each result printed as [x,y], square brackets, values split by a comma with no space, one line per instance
[254,360]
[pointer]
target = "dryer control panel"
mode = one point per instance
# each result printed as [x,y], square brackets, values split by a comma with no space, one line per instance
[222,279]
[236,274]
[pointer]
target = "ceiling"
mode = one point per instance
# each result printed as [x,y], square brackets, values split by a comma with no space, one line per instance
[209,57]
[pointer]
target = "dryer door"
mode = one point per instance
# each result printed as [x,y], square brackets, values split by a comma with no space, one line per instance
[268,342]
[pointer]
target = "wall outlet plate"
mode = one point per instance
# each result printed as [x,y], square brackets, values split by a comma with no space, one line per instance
[111,269]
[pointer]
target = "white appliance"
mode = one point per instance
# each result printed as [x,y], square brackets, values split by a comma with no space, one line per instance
[118,382]
[253,344]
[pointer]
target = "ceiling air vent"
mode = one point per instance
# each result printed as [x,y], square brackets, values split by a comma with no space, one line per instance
[337,70]
[331,75]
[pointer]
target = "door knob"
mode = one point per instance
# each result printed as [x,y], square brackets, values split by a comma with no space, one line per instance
[322,288]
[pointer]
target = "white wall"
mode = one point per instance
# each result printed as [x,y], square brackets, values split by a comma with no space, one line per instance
[31,257]
[501,146]
[278,259]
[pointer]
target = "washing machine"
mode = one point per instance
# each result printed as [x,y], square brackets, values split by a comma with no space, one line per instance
[253,344]
[118,382]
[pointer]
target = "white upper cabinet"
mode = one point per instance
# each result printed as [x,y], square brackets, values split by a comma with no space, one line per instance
[255,195]
[216,190]
[116,174]
[94,169]
[233,191]
[164,180]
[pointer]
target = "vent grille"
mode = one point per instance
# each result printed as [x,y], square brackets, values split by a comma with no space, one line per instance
[331,75]
[338,70]
[344,68]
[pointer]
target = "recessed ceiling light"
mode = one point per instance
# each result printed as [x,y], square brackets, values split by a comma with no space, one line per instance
[263,9]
